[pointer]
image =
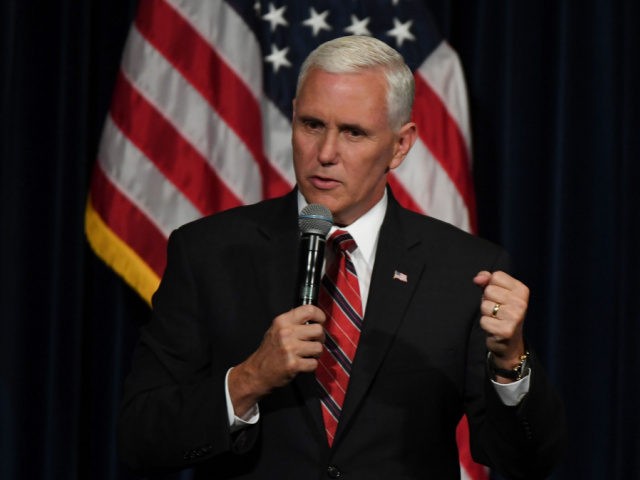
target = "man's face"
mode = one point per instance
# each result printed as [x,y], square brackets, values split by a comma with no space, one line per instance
[342,141]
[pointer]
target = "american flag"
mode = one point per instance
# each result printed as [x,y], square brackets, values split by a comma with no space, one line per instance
[200,122]
[400,276]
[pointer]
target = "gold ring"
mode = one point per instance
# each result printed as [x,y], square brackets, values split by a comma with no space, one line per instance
[495,310]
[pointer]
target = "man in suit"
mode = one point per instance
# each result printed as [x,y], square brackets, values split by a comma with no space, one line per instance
[225,375]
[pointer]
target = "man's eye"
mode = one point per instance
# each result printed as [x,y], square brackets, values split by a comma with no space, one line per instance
[354,132]
[312,124]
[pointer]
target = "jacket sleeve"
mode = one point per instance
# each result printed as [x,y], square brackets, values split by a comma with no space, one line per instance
[173,413]
[522,442]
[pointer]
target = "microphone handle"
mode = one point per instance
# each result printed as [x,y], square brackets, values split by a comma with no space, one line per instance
[311,258]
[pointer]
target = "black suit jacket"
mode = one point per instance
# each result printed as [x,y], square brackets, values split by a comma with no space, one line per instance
[419,366]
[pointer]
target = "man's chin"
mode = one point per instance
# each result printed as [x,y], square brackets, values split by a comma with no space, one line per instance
[323,197]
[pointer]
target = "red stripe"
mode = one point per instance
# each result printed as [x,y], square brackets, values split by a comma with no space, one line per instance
[331,376]
[174,156]
[474,470]
[333,365]
[348,285]
[440,133]
[331,424]
[128,222]
[347,337]
[402,195]
[329,420]
[172,35]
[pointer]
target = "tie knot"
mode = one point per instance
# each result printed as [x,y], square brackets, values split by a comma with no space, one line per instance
[342,241]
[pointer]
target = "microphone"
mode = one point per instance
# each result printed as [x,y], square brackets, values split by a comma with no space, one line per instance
[314,221]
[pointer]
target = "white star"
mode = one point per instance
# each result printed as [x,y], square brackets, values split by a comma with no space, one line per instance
[278,58]
[395,2]
[401,31]
[257,7]
[317,21]
[358,27]
[275,17]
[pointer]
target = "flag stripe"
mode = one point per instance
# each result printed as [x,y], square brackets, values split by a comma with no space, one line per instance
[172,154]
[156,79]
[431,187]
[118,254]
[162,26]
[222,35]
[159,199]
[441,135]
[221,27]
[468,468]
[403,196]
[443,72]
[127,222]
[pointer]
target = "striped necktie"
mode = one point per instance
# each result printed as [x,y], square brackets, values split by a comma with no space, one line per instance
[339,298]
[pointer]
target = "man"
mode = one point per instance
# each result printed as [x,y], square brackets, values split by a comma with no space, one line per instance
[226,376]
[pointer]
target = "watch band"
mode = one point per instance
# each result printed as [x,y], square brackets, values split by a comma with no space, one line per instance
[514,374]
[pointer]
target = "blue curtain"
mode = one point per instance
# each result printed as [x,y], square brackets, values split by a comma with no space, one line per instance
[556,120]
[555,107]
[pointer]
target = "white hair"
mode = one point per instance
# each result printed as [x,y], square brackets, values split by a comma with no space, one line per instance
[358,52]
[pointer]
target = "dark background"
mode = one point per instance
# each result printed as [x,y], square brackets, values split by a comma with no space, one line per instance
[555,103]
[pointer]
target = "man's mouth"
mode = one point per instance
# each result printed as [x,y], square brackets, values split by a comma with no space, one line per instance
[323,183]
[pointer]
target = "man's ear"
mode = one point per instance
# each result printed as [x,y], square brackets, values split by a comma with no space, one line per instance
[405,138]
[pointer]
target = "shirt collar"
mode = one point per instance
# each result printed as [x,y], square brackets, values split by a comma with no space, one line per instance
[364,230]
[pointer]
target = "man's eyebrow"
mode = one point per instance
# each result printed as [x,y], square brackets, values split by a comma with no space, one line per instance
[310,118]
[342,126]
[352,126]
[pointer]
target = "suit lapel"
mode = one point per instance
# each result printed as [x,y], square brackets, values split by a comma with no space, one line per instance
[277,261]
[389,297]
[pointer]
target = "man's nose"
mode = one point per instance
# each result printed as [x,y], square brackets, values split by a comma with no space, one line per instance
[328,148]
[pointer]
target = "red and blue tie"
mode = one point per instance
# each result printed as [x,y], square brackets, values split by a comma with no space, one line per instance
[339,298]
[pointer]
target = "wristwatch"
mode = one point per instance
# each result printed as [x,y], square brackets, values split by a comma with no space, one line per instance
[519,371]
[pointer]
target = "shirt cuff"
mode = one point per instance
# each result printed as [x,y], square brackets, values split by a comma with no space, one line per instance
[512,394]
[236,423]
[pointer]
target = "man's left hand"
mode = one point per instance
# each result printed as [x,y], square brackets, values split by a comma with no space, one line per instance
[503,307]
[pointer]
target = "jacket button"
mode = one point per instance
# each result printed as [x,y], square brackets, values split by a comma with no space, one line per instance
[333,472]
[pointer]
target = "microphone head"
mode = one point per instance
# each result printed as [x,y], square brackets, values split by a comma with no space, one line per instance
[315,219]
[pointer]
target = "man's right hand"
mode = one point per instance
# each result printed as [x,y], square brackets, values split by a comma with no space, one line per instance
[292,345]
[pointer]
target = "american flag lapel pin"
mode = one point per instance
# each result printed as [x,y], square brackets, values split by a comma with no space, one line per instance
[400,276]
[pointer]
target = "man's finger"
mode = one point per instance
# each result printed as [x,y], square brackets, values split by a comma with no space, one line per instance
[491,308]
[507,282]
[307,314]
[312,332]
[482,278]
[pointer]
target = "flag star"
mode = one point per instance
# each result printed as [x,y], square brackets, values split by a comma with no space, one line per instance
[257,7]
[401,31]
[395,2]
[358,27]
[275,16]
[317,21]
[278,58]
